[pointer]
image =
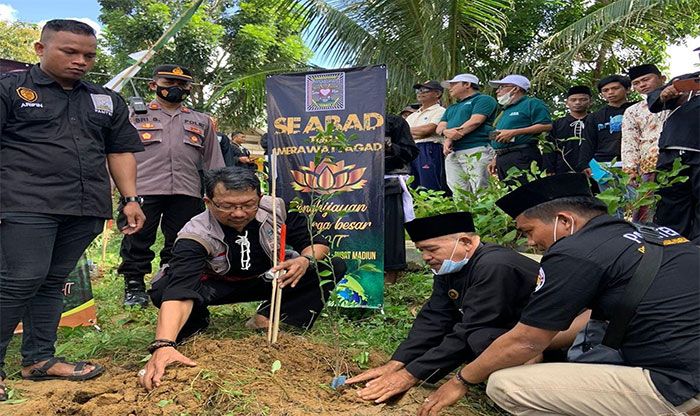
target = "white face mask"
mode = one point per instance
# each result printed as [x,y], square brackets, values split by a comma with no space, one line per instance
[448,266]
[556,222]
[504,99]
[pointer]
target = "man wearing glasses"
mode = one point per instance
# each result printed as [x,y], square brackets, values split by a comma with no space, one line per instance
[221,256]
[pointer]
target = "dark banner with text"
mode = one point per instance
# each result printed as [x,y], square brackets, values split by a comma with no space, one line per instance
[338,182]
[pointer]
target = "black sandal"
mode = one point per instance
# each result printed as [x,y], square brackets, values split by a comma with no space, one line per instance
[3,387]
[41,373]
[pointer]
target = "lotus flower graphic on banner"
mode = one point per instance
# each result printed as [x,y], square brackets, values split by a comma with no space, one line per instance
[328,177]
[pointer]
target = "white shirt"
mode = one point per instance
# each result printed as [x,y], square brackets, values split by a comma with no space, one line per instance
[430,115]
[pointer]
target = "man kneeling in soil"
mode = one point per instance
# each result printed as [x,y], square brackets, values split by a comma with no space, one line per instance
[220,257]
[475,299]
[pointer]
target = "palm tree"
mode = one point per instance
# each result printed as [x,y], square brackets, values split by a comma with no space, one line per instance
[422,39]
[417,39]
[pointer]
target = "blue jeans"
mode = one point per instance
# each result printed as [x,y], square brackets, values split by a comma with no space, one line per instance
[37,252]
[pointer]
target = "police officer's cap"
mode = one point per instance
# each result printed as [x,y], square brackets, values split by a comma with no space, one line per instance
[440,225]
[544,190]
[173,72]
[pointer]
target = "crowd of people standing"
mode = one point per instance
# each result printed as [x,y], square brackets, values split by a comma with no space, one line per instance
[500,314]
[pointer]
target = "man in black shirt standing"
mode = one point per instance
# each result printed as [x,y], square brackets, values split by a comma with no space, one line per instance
[590,260]
[479,290]
[58,137]
[221,257]
[603,137]
[567,133]
[679,207]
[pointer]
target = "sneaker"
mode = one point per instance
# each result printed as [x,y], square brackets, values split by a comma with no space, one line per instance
[135,294]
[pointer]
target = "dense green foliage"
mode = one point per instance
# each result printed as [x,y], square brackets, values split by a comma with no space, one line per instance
[17,41]
[230,47]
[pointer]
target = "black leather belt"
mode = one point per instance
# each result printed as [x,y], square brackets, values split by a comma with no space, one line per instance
[509,149]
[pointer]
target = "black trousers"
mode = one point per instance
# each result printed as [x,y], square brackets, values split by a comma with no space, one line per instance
[300,306]
[172,212]
[394,236]
[679,207]
[518,158]
[37,252]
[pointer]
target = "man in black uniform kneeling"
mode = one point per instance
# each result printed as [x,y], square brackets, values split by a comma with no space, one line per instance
[221,256]
[479,290]
[591,259]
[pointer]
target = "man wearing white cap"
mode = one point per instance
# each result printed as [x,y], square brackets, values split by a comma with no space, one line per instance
[517,127]
[466,126]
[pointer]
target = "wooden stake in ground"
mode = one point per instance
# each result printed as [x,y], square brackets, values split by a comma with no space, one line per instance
[276,296]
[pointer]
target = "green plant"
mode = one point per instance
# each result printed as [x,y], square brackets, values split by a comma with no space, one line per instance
[624,195]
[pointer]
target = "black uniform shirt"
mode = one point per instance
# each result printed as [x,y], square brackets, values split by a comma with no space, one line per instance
[54,142]
[682,128]
[565,156]
[591,268]
[603,135]
[467,310]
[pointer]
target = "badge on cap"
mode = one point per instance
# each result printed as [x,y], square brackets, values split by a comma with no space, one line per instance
[177,71]
[27,94]
[453,294]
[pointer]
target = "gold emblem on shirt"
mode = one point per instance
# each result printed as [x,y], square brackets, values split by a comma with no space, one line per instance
[453,294]
[147,125]
[27,94]
[146,136]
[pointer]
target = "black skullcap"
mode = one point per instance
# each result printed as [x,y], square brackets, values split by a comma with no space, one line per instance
[173,72]
[579,89]
[440,225]
[544,190]
[625,81]
[641,70]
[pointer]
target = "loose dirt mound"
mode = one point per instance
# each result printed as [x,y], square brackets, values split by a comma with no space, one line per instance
[233,377]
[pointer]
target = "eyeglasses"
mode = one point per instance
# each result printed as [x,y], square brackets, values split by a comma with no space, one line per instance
[249,207]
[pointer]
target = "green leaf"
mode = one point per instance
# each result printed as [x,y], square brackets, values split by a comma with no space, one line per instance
[163,403]
[276,366]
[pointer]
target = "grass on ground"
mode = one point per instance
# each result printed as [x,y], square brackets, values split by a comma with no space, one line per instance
[124,334]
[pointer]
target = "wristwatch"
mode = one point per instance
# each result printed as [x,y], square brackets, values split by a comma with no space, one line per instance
[311,259]
[126,199]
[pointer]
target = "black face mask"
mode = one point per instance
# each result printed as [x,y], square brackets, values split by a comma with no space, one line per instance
[172,94]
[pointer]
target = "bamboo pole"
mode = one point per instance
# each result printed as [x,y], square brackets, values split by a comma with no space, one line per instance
[273,324]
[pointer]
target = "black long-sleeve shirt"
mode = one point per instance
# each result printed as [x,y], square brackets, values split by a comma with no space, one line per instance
[566,137]
[682,128]
[467,310]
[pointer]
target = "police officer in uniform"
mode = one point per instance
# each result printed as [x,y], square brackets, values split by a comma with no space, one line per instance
[59,135]
[179,143]
[479,290]
[589,262]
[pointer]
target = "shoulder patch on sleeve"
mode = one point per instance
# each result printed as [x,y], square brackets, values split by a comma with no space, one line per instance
[540,280]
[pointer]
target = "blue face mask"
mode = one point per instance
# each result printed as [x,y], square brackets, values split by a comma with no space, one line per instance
[448,266]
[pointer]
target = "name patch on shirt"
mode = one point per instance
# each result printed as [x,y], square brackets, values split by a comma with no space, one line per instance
[103,103]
